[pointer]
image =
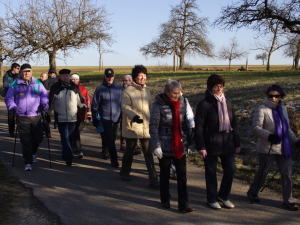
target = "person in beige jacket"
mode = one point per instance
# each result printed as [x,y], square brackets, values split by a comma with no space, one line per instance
[136,103]
[275,140]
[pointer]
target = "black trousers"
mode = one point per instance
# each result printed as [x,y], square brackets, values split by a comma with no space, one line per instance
[11,121]
[31,135]
[180,165]
[76,142]
[110,135]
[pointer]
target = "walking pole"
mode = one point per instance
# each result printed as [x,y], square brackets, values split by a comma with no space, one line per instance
[295,157]
[13,162]
[262,171]
[47,135]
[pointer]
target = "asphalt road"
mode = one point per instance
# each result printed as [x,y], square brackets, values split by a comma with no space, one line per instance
[92,192]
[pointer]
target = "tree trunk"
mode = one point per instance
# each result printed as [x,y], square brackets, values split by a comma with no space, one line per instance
[229,64]
[181,57]
[1,68]
[100,62]
[297,56]
[268,61]
[174,62]
[52,59]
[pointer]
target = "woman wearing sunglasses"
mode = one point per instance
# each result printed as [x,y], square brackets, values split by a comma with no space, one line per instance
[275,141]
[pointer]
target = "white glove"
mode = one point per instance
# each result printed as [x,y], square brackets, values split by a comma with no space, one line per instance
[158,153]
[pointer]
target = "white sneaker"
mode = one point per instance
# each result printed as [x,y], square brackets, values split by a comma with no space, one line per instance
[214,205]
[34,158]
[226,203]
[28,167]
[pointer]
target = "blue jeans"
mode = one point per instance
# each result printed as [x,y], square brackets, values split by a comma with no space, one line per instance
[228,166]
[66,131]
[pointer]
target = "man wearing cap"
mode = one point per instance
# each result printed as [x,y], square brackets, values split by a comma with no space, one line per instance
[27,97]
[107,103]
[9,77]
[66,97]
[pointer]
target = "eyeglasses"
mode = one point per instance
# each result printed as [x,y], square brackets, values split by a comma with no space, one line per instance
[274,96]
[18,68]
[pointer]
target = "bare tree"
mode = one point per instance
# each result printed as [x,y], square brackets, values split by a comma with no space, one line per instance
[263,57]
[273,39]
[50,26]
[233,51]
[184,34]
[250,13]
[102,50]
[293,49]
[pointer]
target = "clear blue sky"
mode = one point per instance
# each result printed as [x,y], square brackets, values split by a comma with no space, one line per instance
[135,23]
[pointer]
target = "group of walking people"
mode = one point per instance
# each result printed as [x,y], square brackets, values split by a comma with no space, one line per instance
[163,128]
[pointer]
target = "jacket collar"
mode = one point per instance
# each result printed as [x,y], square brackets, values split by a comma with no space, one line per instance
[137,86]
[21,81]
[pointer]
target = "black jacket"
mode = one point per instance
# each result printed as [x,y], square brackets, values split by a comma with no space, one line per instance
[49,82]
[161,123]
[207,135]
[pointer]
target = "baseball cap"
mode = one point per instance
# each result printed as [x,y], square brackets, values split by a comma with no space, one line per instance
[26,67]
[109,73]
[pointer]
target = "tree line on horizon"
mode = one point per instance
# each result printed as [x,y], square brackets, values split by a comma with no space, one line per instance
[52,26]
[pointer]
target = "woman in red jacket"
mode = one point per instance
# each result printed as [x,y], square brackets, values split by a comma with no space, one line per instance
[82,115]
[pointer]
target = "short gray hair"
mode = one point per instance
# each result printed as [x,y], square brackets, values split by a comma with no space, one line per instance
[171,84]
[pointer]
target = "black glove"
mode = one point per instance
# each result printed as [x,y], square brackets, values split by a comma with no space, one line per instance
[95,123]
[274,139]
[137,119]
[297,144]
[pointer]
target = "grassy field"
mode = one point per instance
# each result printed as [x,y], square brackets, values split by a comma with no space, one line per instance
[244,89]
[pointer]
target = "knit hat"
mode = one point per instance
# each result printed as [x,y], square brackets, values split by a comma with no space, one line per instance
[74,75]
[51,70]
[214,80]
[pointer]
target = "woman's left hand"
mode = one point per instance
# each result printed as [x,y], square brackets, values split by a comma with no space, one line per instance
[237,150]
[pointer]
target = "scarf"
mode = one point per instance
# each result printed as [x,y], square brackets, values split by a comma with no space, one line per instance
[65,85]
[177,142]
[282,130]
[224,122]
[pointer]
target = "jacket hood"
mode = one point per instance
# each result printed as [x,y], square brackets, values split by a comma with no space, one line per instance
[271,104]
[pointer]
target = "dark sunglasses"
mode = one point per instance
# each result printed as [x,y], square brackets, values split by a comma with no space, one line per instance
[274,96]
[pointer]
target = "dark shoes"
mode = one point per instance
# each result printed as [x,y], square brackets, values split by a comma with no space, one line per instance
[80,155]
[253,197]
[166,205]
[115,164]
[69,162]
[154,186]
[187,208]
[290,206]
[125,177]
[104,156]
[137,152]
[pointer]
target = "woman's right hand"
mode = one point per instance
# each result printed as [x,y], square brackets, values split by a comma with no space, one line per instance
[203,153]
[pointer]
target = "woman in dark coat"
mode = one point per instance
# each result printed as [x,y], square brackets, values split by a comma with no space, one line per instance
[169,131]
[216,135]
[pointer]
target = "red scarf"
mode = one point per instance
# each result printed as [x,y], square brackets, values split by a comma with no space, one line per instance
[177,145]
